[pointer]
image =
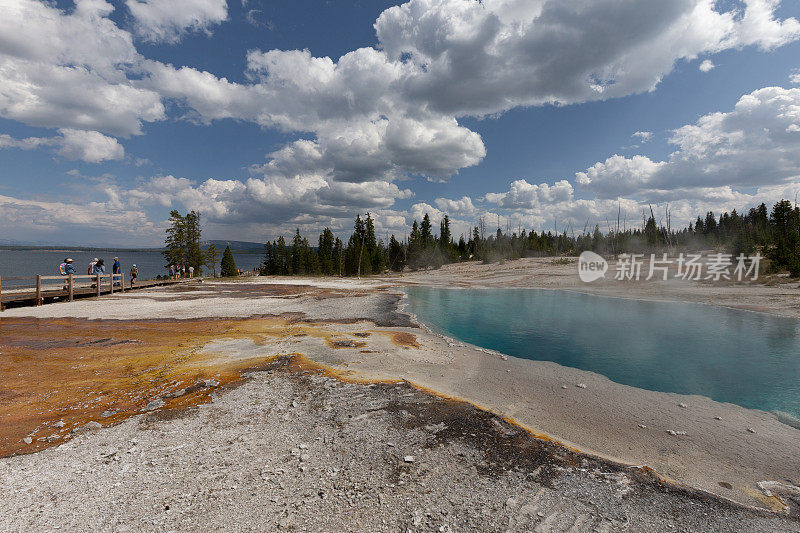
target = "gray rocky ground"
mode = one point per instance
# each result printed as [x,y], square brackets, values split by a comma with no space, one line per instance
[289,450]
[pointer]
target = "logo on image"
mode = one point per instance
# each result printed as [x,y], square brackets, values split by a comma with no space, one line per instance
[591,266]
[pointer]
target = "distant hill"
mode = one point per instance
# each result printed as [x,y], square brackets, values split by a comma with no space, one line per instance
[241,246]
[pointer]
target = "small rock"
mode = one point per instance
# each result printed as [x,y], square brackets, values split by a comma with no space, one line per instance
[304,458]
[303,446]
[717,418]
[563,386]
[581,385]
[683,405]
[751,430]
[674,433]
[155,404]
[107,413]
[642,426]
[390,444]
[408,458]
[211,382]
[294,403]
[27,440]
[87,427]
[59,424]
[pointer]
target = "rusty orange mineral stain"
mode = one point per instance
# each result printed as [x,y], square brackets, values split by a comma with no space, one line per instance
[772,501]
[59,375]
[404,340]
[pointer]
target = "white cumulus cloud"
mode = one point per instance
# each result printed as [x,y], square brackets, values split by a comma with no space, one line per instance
[168,20]
[755,144]
[89,146]
[706,66]
[376,115]
[69,70]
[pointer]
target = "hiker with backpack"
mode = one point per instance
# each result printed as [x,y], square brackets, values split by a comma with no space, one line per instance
[66,269]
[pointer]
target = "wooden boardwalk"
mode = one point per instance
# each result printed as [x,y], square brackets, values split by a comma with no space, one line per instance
[63,290]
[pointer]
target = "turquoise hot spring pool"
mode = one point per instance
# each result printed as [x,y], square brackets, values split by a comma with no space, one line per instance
[745,358]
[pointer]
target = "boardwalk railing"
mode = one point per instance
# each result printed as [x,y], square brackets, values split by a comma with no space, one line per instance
[68,285]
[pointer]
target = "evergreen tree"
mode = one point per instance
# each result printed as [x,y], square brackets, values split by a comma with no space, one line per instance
[268,263]
[415,248]
[380,258]
[397,259]
[297,263]
[462,249]
[194,255]
[338,257]
[651,232]
[228,265]
[359,259]
[282,257]
[444,232]
[475,244]
[211,256]
[326,253]
[598,241]
[182,244]
[710,225]
[312,259]
[175,243]
[785,249]
[425,230]
[448,251]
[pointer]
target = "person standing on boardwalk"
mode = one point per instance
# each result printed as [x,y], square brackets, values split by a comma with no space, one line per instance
[97,266]
[116,269]
[172,272]
[191,271]
[65,269]
[134,274]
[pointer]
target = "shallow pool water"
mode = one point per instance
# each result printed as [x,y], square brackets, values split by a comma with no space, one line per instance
[749,359]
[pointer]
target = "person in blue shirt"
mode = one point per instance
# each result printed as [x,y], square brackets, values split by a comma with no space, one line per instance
[116,268]
[98,268]
[65,269]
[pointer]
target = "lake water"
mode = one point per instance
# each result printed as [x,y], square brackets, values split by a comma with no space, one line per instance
[749,359]
[17,263]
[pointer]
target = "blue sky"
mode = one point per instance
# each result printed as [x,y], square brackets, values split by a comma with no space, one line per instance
[267,116]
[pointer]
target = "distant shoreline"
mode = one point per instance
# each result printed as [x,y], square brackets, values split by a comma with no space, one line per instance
[75,249]
[99,249]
